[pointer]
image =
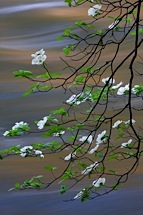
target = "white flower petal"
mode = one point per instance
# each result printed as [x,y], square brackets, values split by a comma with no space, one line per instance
[93,150]
[124,145]
[117,86]
[99,182]
[86,138]
[93,11]
[112,81]
[71,155]
[117,123]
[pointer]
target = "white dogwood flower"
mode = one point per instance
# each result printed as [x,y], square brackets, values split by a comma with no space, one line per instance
[19,125]
[99,182]
[41,123]
[25,150]
[117,123]
[79,195]
[39,153]
[70,156]
[93,150]
[86,138]
[123,90]
[39,57]
[124,145]
[89,168]
[112,81]
[39,60]
[113,24]
[95,10]
[76,99]
[101,138]
[117,86]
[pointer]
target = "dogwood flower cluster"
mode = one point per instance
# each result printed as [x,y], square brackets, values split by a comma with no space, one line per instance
[70,156]
[89,168]
[39,57]
[95,10]
[87,139]
[42,123]
[28,150]
[99,182]
[124,145]
[19,126]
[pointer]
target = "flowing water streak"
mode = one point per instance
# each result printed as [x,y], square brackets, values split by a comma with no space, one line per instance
[26,7]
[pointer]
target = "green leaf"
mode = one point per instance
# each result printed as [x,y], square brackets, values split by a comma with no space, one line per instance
[63,189]
[23,73]
[69,2]
[50,168]
[17,185]
[60,111]
[68,49]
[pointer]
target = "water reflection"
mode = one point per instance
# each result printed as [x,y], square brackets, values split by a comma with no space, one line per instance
[28,26]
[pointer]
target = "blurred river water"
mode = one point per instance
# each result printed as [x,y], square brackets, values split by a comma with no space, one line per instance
[27,26]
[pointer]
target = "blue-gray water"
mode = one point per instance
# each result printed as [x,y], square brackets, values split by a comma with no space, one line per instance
[27,26]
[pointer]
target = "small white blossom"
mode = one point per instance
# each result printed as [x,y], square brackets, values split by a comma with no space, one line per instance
[41,123]
[6,133]
[117,123]
[86,138]
[93,11]
[122,90]
[112,81]
[39,153]
[117,86]
[113,24]
[41,52]
[124,145]
[25,150]
[71,155]
[39,57]
[19,125]
[101,138]
[89,168]
[128,121]
[76,99]
[58,133]
[93,150]
[39,60]
[79,195]
[134,89]
[99,182]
